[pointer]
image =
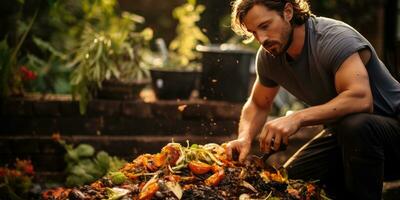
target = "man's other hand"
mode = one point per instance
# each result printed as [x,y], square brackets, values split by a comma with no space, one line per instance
[277,132]
[241,146]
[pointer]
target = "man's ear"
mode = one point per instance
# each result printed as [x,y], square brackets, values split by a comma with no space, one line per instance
[288,12]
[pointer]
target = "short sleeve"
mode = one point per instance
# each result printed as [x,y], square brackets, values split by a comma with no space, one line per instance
[337,43]
[261,62]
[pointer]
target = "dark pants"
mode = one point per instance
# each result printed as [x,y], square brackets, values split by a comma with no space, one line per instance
[353,159]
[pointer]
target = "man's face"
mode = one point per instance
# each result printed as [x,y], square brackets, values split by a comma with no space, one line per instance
[269,28]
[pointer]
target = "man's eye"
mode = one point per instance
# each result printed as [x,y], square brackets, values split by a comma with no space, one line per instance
[264,27]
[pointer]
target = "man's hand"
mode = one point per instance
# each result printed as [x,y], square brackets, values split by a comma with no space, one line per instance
[254,114]
[241,146]
[277,131]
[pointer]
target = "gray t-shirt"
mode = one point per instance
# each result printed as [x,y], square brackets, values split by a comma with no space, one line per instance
[310,77]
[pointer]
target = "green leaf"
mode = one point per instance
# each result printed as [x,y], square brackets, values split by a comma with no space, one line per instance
[48,47]
[114,70]
[62,86]
[25,184]
[99,51]
[96,73]
[5,66]
[76,78]
[74,180]
[36,62]
[147,34]
[117,178]
[78,170]
[10,192]
[71,156]
[84,150]
[116,164]
[193,2]
[52,2]
[79,176]
[108,75]
[83,103]
[134,17]
[103,160]
[92,169]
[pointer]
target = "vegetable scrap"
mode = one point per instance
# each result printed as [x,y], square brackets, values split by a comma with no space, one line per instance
[192,172]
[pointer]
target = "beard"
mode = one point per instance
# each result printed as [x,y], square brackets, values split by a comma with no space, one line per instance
[281,46]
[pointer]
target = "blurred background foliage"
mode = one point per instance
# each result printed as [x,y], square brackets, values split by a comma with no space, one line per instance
[181,54]
[54,36]
[56,31]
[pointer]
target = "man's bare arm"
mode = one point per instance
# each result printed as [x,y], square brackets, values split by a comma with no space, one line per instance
[256,110]
[253,117]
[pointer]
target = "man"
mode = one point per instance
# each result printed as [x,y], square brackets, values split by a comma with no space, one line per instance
[331,67]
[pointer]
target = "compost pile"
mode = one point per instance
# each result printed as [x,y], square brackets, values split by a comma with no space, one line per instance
[192,172]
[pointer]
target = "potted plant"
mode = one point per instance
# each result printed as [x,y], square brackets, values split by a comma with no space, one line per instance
[110,63]
[133,59]
[175,76]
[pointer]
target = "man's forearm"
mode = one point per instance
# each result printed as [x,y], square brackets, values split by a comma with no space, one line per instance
[252,120]
[344,104]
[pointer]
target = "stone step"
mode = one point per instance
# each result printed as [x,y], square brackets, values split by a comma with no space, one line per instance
[47,155]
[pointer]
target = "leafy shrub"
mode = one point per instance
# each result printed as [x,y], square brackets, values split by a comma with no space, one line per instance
[84,165]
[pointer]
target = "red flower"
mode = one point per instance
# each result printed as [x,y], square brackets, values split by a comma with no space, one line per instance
[56,137]
[3,171]
[14,173]
[25,166]
[27,75]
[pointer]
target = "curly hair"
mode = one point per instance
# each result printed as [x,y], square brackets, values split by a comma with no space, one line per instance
[301,12]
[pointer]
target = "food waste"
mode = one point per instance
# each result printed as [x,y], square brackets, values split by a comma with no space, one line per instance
[192,172]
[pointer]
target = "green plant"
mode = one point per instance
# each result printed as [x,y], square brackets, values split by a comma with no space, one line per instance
[10,81]
[115,52]
[134,55]
[16,48]
[94,64]
[182,54]
[16,182]
[85,166]
[51,74]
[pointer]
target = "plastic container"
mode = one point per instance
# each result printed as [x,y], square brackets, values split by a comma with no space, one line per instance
[225,72]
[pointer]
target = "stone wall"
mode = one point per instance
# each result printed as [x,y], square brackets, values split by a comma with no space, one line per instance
[38,117]
[122,128]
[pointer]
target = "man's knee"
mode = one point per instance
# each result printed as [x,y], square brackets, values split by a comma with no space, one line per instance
[354,122]
[356,129]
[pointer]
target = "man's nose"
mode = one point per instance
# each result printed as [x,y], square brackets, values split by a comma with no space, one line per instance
[261,38]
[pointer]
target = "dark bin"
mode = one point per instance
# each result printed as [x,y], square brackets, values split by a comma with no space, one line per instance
[225,72]
[171,85]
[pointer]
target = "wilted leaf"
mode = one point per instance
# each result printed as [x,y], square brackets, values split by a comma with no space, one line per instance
[175,188]
[116,193]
